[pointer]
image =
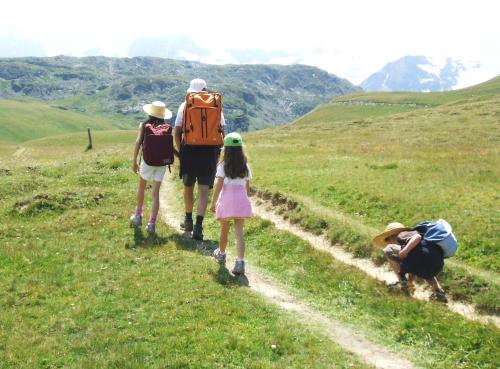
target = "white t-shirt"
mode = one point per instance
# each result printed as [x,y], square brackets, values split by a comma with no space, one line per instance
[240,181]
[179,119]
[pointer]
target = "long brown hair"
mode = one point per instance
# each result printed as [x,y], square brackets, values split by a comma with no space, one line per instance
[154,120]
[235,162]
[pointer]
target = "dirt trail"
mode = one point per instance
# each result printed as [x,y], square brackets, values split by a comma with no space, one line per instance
[381,273]
[338,333]
[21,151]
[321,211]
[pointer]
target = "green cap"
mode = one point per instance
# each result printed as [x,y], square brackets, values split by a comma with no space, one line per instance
[233,139]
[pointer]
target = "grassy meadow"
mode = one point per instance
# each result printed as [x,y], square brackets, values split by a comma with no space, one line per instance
[426,333]
[482,90]
[81,289]
[352,166]
[26,119]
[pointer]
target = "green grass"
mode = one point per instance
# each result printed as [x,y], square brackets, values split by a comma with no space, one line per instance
[426,333]
[355,168]
[81,289]
[342,111]
[23,120]
[6,150]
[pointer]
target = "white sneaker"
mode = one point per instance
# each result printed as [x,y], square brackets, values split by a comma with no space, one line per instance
[151,228]
[135,220]
[219,256]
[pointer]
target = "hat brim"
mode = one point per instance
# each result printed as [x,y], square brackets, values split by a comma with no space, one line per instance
[233,144]
[189,90]
[147,109]
[380,241]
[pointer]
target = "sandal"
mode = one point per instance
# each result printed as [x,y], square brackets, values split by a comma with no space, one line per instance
[399,286]
[439,296]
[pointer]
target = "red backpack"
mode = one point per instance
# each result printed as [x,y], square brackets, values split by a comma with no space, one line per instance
[157,145]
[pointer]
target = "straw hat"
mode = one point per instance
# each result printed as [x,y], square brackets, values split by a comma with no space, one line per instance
[157,109]
[197,85]
[390,230]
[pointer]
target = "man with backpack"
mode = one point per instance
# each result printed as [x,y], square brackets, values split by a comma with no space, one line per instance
[199,133]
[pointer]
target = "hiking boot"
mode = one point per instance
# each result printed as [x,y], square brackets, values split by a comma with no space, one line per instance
[401,286]
[219,256]
[187,225]
[197,232]
[151,228]
[135,220]
[439,296]
[239,267]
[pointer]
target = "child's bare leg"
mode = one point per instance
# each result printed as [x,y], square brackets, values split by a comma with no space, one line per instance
[411,284]
[224,230]
[140,194]
[395,267]
[240,242]
[155,206]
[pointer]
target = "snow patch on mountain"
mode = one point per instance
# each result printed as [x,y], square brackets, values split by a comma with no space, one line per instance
[431,68]
[423,74]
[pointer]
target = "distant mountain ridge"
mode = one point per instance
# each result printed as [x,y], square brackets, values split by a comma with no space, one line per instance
[420,74]
[255,96]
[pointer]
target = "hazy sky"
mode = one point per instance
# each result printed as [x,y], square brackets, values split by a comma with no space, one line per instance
[352,39]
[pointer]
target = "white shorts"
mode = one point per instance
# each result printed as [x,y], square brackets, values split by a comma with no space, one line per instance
[149,172]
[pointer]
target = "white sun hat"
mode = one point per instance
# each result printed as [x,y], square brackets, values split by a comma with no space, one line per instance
[157,109]
[197,85]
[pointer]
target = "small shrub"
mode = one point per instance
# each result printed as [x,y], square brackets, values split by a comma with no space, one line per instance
[50,203]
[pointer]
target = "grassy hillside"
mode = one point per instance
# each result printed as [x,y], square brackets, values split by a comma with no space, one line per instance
[81,289]
[354,167]
[254,95]
[488,88]
[22,120]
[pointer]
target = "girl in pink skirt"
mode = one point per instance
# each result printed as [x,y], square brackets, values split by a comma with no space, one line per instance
[230,200]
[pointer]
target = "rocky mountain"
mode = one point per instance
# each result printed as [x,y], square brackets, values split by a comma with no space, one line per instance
[255,96]
[421,74]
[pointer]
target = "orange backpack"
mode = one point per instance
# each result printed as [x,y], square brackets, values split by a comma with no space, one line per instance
[202,123]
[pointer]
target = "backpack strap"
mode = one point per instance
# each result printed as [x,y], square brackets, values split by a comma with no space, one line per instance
[142,127]
[184,116]
[421,227]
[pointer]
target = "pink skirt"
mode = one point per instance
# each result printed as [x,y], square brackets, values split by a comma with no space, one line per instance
[233,203]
